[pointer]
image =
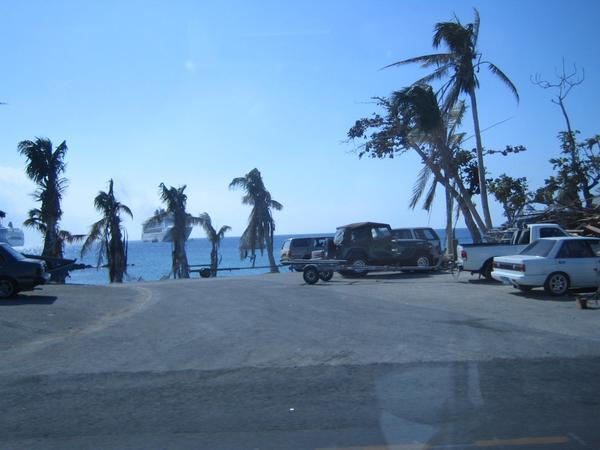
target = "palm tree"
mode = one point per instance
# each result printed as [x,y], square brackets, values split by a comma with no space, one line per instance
[461,64]
[63,236]
[109,232]
[45,167]
[175,201]
[261,226]
[215,238]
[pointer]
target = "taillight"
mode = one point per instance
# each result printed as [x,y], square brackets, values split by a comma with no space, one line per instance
[463,254]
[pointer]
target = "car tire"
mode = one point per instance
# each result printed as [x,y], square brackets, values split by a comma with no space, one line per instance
[310,275]
[486,271]
[423,261]
[8,288]
[557,284]
[358,261]
[326,275]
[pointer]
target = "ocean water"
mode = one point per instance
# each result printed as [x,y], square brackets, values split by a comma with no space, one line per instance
[149,261]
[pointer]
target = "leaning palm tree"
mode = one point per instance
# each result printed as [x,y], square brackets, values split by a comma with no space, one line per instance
[215,237]
[261,226]
[110,234]
[45,167]
[175,201]
[461,64]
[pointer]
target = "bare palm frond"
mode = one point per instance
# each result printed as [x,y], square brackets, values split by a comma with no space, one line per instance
[476,22]
[224,229]
[125,209]
[496,71]
[436,59]
[97,232]
[419,186]
[430,197]
[276,205]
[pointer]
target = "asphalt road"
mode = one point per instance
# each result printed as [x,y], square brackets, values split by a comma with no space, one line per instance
[386,362]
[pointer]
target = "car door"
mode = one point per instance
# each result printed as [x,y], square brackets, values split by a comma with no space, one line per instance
[576,259]
[383,249]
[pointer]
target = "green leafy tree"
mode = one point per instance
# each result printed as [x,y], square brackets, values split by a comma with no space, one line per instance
[215,237]
[460,65]
[45,166]
[258,235]
[512,193]
[110,234]
[175,201]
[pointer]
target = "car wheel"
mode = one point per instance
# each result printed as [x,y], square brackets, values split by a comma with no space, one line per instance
[8,288]
[487,270]
[557,284]
[310,275]
[326,276]
[423,261]
[358,264]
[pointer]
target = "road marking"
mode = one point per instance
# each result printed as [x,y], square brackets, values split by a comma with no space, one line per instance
[519,442]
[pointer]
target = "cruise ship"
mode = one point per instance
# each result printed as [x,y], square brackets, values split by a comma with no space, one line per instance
[12,236]
[161,231]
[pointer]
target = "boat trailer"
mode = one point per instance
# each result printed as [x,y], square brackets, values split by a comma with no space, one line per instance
[314,270]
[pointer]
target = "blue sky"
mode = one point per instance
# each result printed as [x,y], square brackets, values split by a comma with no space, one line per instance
[198,93]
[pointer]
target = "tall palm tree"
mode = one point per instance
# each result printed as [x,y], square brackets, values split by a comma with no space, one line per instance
[215,237]
[45,166]
[175,201]
[109,232]
[261,225]
[461,64]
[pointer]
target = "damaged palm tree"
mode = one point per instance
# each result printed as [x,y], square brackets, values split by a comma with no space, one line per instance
[45,166]
[175,201]
[110,234]
[258,235]
[215,237]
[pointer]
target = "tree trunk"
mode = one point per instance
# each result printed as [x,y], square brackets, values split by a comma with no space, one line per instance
[587,197]
[480,165]
[272,262]
[462,196]
[214,260]
[469,222]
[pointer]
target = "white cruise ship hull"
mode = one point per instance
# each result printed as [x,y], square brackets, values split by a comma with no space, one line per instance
[12,236]
[164,235]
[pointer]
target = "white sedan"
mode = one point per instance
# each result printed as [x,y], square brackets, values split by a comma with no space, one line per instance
[557,264]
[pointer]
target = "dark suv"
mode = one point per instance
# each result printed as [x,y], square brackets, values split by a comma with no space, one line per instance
[18,273]
[371,243]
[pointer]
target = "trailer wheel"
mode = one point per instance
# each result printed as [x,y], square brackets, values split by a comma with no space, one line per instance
[310,275]
[326,276]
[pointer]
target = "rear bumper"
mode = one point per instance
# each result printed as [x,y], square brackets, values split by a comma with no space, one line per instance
[521,279]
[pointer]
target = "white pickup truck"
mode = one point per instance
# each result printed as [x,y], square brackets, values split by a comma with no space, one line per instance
[478,258]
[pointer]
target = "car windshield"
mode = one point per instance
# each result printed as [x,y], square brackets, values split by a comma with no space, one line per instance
[380,232]
[541,247]
[11,251]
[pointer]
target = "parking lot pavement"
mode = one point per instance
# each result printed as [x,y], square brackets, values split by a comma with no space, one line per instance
[416,361]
